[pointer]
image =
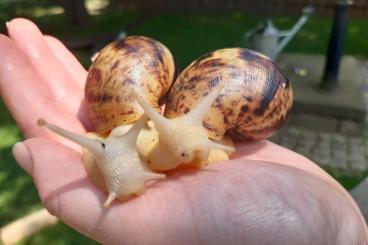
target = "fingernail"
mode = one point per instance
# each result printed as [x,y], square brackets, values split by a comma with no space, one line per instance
[23,156]
[7,24]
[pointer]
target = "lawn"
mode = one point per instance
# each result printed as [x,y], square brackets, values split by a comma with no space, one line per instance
[188,35]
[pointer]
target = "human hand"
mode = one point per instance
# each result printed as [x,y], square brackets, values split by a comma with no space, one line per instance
[265,195]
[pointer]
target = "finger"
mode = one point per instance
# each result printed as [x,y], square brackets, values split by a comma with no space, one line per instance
[67,59]
[22,155]
[25,97]
[30,40]
[271,152]
[63,185]
[267,151]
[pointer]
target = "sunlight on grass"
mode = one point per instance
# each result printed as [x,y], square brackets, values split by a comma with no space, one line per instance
[38,12]
[9,135]
[6,198]
[95,7]
[353,29]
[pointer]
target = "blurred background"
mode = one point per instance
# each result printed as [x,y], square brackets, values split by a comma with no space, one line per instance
[320,45]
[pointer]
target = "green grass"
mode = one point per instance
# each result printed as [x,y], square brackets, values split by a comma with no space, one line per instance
[17,193]
[58,234]
[349,182]
[188,35]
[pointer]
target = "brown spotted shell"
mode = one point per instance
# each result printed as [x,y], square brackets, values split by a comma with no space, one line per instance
[132,63]
[253,104]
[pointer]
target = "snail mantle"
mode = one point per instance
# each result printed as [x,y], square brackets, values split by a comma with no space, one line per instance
[346,102]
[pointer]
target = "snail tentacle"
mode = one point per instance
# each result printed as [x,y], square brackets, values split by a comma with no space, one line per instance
[110,198]
[200,110]
[96,146]
[226,148]
[154,176]
[156,117]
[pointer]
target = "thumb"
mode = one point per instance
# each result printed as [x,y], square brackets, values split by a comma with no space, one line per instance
[23,156]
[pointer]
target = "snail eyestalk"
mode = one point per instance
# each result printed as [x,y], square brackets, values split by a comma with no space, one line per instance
[178,133]
[123,171]
[93,145]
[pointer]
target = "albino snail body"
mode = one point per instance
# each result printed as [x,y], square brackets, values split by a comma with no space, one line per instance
[234,91]
[122,68]
[230,91]
[117,159]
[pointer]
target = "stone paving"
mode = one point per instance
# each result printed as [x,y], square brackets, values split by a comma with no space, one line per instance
[333,144]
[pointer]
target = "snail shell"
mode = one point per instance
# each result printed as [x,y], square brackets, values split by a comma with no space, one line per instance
[120,71]
[122,66]
[254,103]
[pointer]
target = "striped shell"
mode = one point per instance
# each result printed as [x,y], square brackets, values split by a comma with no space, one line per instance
[254,103]
[135,62]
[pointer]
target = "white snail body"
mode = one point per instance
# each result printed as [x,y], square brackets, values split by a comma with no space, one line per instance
[117,72]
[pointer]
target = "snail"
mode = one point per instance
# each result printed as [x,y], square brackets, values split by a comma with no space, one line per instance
[132,64]
[229,92]
[233,93]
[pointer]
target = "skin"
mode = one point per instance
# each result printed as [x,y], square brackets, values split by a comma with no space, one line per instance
[266,195]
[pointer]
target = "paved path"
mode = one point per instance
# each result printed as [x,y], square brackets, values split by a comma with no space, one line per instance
[333,144]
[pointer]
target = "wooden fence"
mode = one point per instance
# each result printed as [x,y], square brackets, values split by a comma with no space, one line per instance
[359,8]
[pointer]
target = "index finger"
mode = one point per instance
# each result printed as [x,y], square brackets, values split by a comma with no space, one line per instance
[67,59]
[29,39]
[22,91]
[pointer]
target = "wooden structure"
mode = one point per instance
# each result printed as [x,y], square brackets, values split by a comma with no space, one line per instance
[322,7]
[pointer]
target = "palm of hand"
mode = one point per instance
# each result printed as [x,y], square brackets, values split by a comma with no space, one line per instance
[267,195]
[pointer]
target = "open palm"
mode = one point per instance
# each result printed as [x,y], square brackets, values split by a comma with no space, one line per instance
[266,195]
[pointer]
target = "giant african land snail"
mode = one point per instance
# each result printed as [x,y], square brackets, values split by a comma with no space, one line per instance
[231,91]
